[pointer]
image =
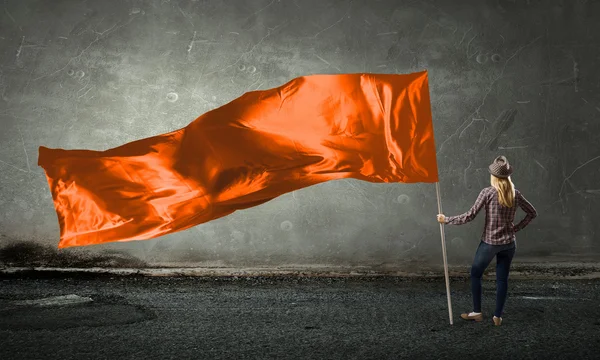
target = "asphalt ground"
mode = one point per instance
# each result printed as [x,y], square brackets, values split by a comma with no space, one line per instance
[57,315]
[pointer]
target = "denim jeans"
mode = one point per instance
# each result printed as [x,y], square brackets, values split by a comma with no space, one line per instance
[485,253]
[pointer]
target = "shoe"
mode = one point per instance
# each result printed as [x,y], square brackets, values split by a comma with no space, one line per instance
[497,321]
[477,318]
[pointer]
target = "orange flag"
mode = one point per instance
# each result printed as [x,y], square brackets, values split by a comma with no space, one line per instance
[372,127]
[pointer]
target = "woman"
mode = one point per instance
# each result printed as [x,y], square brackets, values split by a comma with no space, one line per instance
[498,239]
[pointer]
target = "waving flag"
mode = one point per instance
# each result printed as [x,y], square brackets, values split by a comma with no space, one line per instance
[372,127]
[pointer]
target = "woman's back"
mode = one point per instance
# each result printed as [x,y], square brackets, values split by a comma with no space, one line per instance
[499,219]
[499,228]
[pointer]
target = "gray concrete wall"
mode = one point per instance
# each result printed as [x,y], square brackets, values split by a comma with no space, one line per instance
[518,78]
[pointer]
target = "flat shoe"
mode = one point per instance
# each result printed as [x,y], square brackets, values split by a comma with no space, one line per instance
[477,318]
[497,321]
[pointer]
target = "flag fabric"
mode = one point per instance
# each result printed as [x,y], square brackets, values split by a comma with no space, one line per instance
[371,127]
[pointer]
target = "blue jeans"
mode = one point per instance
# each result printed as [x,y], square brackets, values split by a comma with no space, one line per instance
[485,253]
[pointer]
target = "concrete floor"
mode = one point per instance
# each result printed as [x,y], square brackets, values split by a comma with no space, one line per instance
[137,317]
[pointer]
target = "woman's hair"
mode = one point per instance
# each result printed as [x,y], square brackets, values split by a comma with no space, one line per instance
[505,189]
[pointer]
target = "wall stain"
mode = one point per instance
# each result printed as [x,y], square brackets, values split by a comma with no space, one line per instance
[505,121]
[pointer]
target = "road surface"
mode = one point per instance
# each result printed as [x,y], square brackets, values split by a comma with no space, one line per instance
[91,316]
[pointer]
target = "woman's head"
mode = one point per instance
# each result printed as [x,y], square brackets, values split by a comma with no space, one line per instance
[500,171]
[505,189]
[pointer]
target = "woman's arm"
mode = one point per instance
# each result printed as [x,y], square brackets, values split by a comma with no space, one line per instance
[528,208]
[473,211]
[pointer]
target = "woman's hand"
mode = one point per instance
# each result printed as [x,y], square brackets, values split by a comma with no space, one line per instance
[441,218]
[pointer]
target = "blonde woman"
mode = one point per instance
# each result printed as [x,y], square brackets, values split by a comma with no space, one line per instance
[498,239]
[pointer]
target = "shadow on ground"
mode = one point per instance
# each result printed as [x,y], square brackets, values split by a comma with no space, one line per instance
[29,254]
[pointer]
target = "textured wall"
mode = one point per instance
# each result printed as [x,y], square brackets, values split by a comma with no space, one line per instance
[506,77]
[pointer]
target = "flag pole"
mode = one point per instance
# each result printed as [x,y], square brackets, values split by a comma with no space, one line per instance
[437,188]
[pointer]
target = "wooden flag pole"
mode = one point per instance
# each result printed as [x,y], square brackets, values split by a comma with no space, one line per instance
[437,188]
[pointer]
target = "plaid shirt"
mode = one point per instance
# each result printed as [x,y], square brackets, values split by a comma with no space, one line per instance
[499,228]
